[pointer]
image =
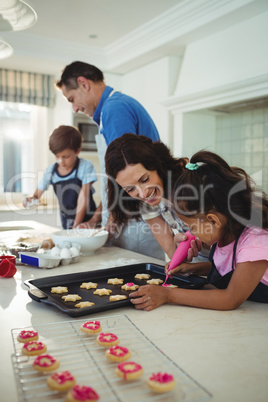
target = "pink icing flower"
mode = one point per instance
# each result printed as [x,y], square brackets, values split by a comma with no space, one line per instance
[129,367]
[44,361]
[107,337]
[130,284]
[83,393]
[118,351]
[33,345]
[161,377]
[28,334]
[92,324]
[62,377]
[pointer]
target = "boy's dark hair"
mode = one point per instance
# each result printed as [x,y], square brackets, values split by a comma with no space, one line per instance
[65,137]
[79,69]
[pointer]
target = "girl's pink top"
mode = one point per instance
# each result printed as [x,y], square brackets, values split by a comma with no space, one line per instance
[63,377]
[252,246]
[83,393]
[163,378]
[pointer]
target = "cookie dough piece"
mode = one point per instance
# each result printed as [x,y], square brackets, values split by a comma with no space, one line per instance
[71,298]
[91,327]
[130,286]
[45,363]
[115,281]
[117,297]
[61,381]
[155,281]
[142,276]
[89,285]
[26,336]
[84,304]
[169,285]
[82,393]
[102,292]
[161,382]
[129,370]
[118,354]
[59,289]
[107,339]
[33,348]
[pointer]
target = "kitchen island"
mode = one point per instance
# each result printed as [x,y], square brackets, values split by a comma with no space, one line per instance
[225,352]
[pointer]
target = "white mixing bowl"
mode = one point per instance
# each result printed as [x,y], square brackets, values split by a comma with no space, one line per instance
[83,237]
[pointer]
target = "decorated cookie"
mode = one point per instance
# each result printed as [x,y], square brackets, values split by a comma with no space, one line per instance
[33,348]
[26,336]
[107,339]
[102,292]
[91,327]
[130,286]
[129,370]
[155,281]
[84,304]
[89,285]
[71,298]
[61,381]
[142,276]
[161,382]
[59,289]
[115,281]
[169,285]
[117,297]
[117,354]
[82,393]
[45,363]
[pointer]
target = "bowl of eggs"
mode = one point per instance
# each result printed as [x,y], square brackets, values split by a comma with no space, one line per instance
[88,240]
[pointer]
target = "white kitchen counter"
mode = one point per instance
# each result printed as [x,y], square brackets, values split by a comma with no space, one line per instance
[226,352]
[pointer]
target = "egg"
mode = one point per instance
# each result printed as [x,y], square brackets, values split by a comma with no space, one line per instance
[55,251]
[74,251]
[65,253]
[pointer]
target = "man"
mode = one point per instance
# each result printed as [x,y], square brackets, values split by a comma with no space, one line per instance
[116,114]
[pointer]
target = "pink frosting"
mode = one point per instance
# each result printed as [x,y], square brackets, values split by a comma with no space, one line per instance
[33,345]
[166,285]
[92,325]
[62,377]
[119,351]
[83,393]
[107,337]
[130,284]
[27,334]
[162,377]
[122,367]
[42,361]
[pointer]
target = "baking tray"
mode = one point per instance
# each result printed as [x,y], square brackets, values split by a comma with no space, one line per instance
[40,289]
[85,359]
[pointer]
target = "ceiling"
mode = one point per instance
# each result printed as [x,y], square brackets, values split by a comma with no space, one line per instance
[117,35]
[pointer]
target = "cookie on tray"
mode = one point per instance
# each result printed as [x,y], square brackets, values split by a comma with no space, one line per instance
[117,353]
[130,286]
[117,297]
[89,285]
[59,289]
[45,363]
[107,339]
[61,381]
[155,281]
[84,304]
[115,281]
[26,336]
[91,327]
[102,292]
[71,298]
[129,370]
[82,393]
[161,382]
[142,276]
[33,348]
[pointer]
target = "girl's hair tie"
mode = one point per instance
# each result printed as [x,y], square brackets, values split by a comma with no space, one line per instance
[193,166]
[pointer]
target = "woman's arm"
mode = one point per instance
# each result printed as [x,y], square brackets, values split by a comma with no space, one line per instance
[82,204]
[244,280]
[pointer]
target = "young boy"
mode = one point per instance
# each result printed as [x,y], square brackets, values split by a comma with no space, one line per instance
[71,178]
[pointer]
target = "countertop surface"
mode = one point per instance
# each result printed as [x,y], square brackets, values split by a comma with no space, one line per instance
[225,352]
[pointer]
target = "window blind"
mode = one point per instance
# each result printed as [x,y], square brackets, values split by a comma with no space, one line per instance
[24,87]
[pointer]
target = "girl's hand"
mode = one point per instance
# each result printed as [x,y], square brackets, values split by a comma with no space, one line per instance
[184,268]
[196,245]
[149,297]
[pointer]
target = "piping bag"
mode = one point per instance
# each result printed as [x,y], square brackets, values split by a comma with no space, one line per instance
[180,254]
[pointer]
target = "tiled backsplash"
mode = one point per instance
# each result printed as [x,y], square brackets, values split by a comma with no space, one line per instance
[242,139]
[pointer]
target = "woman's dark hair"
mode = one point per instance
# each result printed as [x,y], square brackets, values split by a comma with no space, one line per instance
[133,149]
[215,186]
[65,137]
[79,69]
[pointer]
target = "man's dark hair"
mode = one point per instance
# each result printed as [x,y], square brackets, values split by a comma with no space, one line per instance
[79,69]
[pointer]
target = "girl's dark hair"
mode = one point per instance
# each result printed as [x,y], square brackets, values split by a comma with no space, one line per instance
[79,69]
[133,149]
[65,137]
[215,186]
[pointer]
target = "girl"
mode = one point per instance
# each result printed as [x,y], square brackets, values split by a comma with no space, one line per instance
[141,174]
[221,208]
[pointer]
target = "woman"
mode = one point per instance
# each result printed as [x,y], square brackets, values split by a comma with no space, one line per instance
[141,176]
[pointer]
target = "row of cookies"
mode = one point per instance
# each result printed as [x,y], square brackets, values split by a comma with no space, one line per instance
[127,370]
[59,381]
